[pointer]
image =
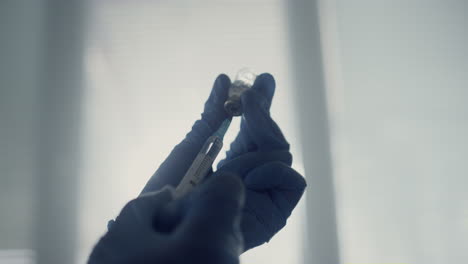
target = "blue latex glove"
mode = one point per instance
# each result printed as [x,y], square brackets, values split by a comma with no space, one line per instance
[259,155]
[205,228]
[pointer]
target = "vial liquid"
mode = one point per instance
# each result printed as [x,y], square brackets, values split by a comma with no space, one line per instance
[244,80]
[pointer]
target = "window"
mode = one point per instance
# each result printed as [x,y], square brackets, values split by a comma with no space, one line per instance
[151,65]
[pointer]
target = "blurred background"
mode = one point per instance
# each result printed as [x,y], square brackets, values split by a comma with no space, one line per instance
[371,94]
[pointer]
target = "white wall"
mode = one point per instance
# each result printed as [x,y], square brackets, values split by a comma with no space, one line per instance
[400,131]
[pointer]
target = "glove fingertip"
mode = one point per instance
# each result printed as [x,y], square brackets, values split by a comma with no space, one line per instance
[219,93]
[222,80]
[213,112]
[265,84]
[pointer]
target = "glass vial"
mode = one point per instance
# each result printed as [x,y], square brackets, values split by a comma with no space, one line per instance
[244,80]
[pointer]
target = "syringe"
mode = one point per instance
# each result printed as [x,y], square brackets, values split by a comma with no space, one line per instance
[202,163]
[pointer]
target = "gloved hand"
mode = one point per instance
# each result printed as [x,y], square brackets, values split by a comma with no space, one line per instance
[260,155]
[203,228]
